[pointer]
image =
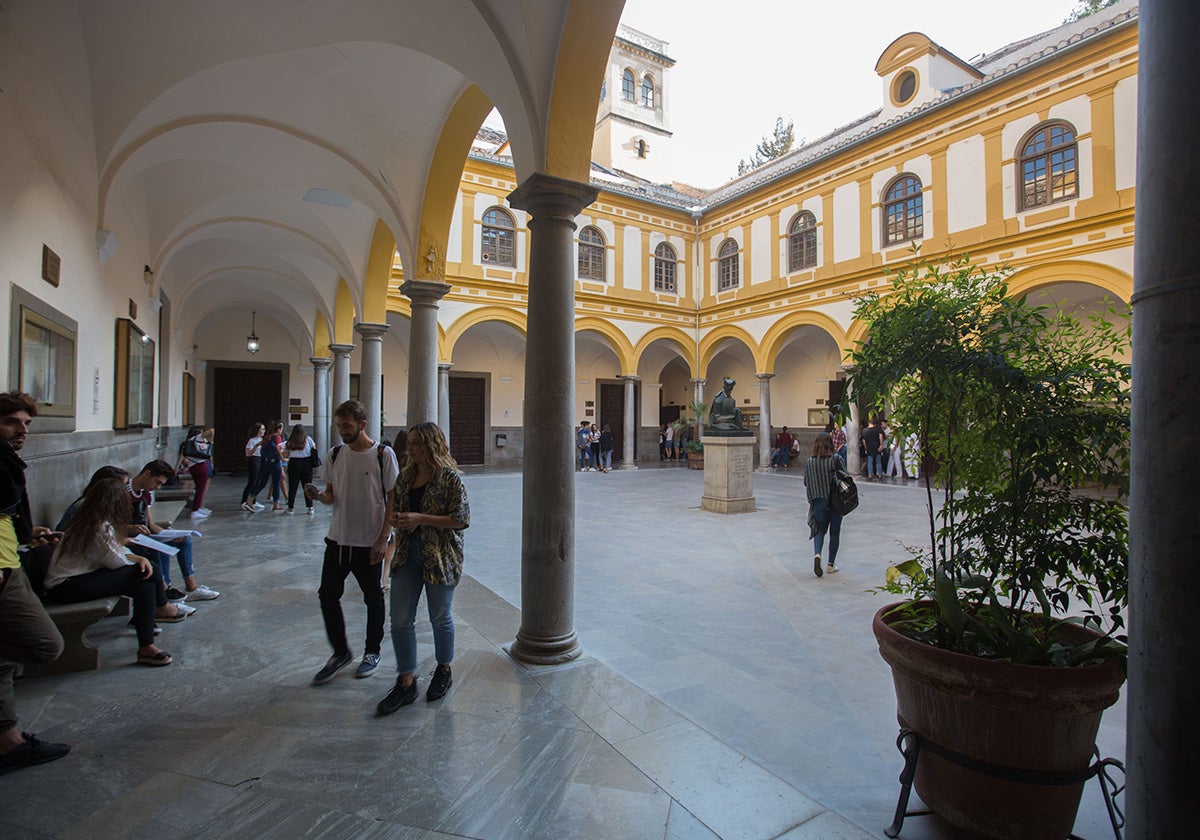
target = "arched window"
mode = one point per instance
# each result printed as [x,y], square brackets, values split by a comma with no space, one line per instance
[728,276]
[664,268]
[641,148]
[1047,166]
[591,254]
[496,243]
[903,211]
[802,242]
[627,85]
[648,92]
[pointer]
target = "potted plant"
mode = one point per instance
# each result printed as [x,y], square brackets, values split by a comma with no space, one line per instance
[694,422]
[1025,411]
[695,454]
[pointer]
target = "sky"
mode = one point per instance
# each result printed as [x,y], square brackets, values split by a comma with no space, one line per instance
[739,65]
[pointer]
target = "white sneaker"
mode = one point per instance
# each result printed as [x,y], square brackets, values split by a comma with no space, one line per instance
[199,514]
[290,512]
[183,608]
[258,507]
[202,593]
[311,511]
[831,569]
[249,508]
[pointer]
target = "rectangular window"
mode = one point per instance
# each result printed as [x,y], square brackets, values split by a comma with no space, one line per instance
[47,364]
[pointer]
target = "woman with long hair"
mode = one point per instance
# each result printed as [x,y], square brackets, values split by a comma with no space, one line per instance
[269,471]
[197,454]
[91,561]
[253,467]
[431,512]
[300,448]
[819,471]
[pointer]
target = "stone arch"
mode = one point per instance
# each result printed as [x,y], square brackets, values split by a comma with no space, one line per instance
[621,344]
[1112,280]
[777,336]
[710,345]
[504,315]
[673,335]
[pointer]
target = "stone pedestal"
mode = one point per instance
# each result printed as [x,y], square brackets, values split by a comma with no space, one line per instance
[728,474]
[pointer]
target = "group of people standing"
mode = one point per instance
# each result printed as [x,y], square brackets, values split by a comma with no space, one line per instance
[886,454]
[270,458]
[594,446]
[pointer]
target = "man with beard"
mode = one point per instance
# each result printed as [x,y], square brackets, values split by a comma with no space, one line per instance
[27,634]
[359,478]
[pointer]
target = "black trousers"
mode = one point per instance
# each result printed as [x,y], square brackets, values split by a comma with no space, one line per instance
[253,465]
[340,561]
[300,471]
[147,593]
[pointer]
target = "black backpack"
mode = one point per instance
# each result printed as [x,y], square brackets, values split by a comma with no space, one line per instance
[379,449]
[843,492]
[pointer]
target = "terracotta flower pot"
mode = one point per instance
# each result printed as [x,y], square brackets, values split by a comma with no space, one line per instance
[1026,717]
[695,460]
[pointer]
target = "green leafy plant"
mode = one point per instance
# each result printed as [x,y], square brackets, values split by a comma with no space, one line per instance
[1024,409]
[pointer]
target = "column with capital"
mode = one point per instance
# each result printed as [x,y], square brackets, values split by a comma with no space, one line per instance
[422,350]
[341,379]
[547,635]
[698,390]
[370,375]
[443,399]
[629,437]
[764,421]
[320,420]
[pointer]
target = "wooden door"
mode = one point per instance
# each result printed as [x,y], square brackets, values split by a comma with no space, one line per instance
[466,419]
[243,396]
[612,414]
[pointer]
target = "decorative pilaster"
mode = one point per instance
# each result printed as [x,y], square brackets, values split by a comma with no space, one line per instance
[422,350]
[320,421]
[698,390]
[443,398]
[764,421]
[370,375]
[630,420]
[547,635]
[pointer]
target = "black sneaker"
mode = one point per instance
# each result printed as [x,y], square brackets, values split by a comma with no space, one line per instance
[400,695]
[32,752]
[440,683]
[174,594]
[334,664]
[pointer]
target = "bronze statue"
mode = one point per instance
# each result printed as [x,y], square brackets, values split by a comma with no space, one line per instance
[723,415]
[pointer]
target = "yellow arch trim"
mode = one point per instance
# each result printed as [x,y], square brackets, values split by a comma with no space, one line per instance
[773,342]
[500,314]
[582,57]
[683,342]
[1112,280]
[620,342]
[445,176]
[708,345]
[343,315]
[379,271]
[855,335]
[321,338]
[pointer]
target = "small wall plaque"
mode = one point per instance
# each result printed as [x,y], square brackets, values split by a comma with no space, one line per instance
[132,309]
[51,266]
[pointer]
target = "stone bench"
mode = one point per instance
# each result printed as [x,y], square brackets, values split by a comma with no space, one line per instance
[73,622]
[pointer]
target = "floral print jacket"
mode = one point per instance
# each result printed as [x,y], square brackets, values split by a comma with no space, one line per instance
[441,548]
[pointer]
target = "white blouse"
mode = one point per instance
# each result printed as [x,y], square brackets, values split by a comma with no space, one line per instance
[104,552]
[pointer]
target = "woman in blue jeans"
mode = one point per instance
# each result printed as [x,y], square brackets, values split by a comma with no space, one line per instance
[818,478]
[431,513]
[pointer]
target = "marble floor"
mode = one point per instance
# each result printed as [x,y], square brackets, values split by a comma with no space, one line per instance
[725,691]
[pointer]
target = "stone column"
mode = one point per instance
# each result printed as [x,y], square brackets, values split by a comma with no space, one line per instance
[764,421]
[853,458]
[370,375]
[443,399]
[422,350]
[698,390]
[1162,726]
[341,377]
[547,635]
[320,421]
[631,422]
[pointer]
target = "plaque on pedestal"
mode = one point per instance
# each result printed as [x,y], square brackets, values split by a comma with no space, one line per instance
[728,474]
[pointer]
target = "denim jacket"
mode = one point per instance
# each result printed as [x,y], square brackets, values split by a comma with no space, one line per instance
[441,548]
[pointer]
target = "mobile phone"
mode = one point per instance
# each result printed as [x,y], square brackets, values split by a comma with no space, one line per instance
[312,489]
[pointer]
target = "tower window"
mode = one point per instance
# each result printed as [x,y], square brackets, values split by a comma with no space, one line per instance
[627,85]
[641,148]
[648,92]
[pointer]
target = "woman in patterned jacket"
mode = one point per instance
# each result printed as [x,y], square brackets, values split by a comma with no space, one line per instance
[431,513]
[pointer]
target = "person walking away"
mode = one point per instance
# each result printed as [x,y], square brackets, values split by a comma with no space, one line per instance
[27,634]
[253,467]
[606,448]
[197,455]
[431,513]
[818,479]
[360,476]
[300,448]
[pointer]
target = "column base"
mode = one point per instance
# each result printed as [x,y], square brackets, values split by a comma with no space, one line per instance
[545,651]
[629,466]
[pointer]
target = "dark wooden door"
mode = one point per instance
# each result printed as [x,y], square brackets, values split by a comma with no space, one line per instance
[243,396]
[837,390]
[466,419]
[612,414]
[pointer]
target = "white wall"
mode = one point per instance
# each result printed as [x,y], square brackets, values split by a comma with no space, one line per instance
[966,188]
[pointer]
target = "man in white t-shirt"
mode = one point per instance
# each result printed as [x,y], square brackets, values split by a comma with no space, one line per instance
[359,477]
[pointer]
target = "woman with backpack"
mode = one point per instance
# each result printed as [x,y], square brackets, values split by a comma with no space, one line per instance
[301,460]
[819,472]
[269,472]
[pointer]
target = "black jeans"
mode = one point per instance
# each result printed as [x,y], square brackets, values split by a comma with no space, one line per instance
[147,594]
[340,561]
[300,471]
[253,465]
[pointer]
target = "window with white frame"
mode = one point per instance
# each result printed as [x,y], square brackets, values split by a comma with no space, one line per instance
[591,254]
[497,238]
[648,91]
[728,276]
[802,242]
[1047,166]
[903,210]
[627,85]
[664,268]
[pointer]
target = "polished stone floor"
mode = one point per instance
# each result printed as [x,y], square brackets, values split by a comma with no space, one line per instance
[725,691]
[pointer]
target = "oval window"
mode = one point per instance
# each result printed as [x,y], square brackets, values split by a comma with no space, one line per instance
[906,87]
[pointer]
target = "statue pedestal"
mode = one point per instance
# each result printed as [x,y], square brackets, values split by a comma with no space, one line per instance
[728,474]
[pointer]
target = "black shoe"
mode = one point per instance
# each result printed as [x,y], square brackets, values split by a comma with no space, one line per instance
[817,565]
[400,695]
[32,752]
[174,594]
[334,664]
[440,683]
